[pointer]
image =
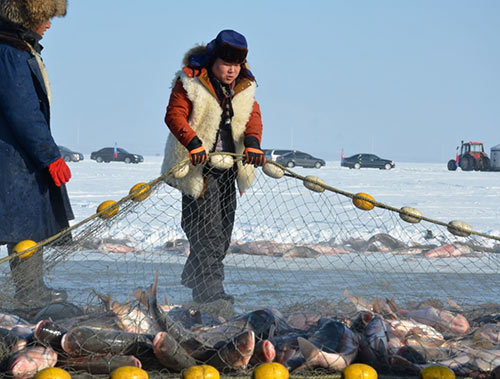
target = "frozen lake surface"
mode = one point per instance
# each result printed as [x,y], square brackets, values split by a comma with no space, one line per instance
[439,194]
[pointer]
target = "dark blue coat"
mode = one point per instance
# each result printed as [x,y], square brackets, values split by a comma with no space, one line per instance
[31,206]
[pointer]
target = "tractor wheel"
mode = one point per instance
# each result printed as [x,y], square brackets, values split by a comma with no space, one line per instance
[486,163]
[467,163]
[452,165]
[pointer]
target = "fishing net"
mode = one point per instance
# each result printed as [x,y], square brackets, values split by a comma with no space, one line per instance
[301,252]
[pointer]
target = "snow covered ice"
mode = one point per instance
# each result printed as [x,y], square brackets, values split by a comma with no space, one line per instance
[439,194]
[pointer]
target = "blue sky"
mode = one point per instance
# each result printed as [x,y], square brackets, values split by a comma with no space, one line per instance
[406,80]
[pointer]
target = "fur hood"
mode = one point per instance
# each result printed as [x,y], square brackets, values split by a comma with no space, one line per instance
[31,13]
[196,50]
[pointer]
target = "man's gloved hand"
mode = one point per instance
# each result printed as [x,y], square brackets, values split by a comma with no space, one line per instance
[60,172]
[253,153]
[197,153]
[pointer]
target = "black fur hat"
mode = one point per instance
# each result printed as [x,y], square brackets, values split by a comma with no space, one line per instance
[31,13]
[231,46]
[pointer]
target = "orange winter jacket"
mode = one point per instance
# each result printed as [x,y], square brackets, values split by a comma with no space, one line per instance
[179,108]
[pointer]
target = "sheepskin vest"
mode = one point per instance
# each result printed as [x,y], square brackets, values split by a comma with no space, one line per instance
[205,119]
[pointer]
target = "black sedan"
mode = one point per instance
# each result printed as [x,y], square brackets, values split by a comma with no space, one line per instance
[298,158]
[367,160]
[69,155]
[108,154]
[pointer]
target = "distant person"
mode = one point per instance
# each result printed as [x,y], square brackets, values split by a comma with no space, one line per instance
[33,200]
[212,108]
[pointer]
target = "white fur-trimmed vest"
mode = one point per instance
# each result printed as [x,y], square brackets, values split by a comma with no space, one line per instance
[205,119]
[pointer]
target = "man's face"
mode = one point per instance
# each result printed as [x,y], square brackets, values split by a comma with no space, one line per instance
[42,28]
[226,72]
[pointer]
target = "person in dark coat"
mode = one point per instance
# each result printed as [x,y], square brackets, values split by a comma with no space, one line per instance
[33,200]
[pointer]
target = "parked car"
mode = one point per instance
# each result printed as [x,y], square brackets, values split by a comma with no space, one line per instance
[367,160]
[69,155]
[107,154]
[272,154]
[298,158]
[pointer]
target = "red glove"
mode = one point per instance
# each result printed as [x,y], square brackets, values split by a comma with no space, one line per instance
[60,172]
[197,152]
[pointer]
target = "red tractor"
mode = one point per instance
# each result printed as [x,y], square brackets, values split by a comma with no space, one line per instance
[471,157]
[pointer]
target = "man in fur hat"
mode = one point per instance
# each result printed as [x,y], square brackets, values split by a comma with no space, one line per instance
[33,200]
[212,108]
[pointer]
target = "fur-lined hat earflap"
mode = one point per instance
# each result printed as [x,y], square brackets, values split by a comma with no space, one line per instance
[31,13]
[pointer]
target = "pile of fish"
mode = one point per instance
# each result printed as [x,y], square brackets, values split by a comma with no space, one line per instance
[170,338]
[381,242]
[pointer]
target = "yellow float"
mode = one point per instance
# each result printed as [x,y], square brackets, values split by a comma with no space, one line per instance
[200,372]
[109,208]
[437,372]
[129,372]
[361,201]
[53,373]
[140,192]
[273,370]
[359,371]
[23,246]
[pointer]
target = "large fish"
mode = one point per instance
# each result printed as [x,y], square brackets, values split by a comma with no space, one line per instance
[405,328]
[377,342]
[50,334]
[27,362]
[99,364]
[449,250]
[489,333]
[170,353]
[9,321]
[235,354]
[83,341]
[268,248]
[333,346]
[161,320]
[130,317]
[57,311]
[287,349]
[442,320]
[11,343]
[101,320]
[303,320]
[191,342]
[421,354]
[265,323]
[264,352]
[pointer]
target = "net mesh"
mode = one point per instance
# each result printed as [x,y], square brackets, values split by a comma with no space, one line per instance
[321,280]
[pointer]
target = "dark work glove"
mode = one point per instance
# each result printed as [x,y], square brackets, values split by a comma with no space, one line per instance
[253,153]
[197,153]
[60,172]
